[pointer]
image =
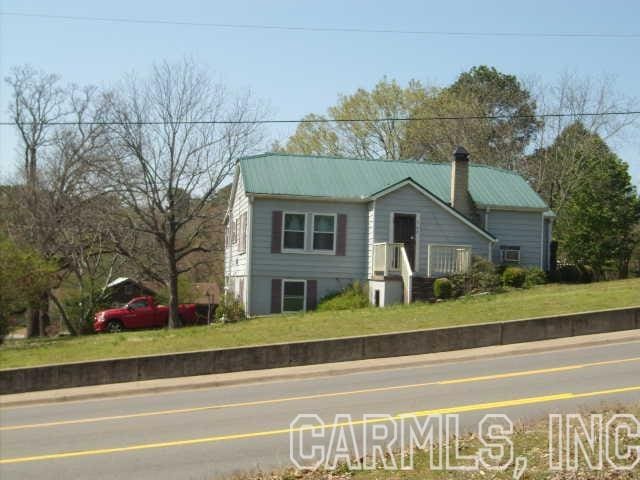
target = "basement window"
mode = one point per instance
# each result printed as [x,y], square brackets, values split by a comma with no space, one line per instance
[294,295]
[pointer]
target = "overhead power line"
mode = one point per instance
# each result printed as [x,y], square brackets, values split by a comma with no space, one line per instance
[295,28]
[341,120]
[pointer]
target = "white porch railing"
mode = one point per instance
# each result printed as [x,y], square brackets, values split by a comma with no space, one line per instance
[387,259]
[448,259]
[407,274]
[391,259]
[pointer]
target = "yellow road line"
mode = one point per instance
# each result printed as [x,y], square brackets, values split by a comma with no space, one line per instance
[253,403]
[282,431]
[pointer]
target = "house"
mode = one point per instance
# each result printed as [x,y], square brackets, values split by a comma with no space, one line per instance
[123,289]
[301,227]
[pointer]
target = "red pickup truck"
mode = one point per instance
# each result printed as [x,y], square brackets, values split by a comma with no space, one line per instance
[141,312]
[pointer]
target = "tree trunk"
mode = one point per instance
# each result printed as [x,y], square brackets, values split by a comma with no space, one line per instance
[38,317]
[174,320]
[33,322]
[623,267]
[63,314]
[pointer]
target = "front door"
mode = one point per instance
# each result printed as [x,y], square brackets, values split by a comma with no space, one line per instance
[404,231]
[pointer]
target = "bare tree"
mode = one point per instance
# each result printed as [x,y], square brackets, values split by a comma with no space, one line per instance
[51,202]
[169,156]
[38,100]
[556,166]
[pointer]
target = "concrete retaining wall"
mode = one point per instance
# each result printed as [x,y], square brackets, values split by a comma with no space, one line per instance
[316,351]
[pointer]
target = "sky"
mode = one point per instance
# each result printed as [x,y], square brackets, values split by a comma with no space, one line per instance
[298,72]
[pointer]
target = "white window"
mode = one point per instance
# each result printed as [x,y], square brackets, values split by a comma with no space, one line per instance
[324,232]
[294,295]
[234,231]
[242,248]
[293,237]
[510,254]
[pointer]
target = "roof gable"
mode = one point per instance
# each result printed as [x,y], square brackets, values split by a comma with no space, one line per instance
[445,206]
[359,179]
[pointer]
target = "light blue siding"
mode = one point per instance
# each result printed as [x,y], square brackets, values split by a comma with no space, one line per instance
[332,272]
[522,229]
[436,225]
[261,289]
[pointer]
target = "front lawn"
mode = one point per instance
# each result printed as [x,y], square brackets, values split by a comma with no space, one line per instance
[538,301]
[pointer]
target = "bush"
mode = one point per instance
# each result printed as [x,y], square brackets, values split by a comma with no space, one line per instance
[350,298]
[569,274]
[535,276]
[482,277]
[514,277]
[443,288]
[4,327]
[587,275]
[230,309]
[576,274]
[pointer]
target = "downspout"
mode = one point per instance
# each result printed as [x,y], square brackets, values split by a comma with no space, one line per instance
[486,227]
[249,253]
[542,241]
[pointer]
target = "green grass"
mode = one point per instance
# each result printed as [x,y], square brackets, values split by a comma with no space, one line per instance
[537,301]
[530,440]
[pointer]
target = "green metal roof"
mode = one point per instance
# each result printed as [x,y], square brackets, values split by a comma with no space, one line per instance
[348,178]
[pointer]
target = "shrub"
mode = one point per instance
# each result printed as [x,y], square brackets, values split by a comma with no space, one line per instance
[443,288]
[576,274]
[482,277]
[535,276]
[587,275]
[514,277]
[352,297]
[4,327]
[569,273]
[230,309]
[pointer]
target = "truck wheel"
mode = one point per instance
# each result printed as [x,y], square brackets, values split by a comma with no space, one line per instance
[114,326]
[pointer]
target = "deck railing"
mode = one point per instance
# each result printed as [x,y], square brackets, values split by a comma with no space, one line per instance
[407,276]
[387,258]
[391,259]
[448,259]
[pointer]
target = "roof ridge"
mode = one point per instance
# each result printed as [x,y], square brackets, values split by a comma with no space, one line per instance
[388,160]
[493,167]
[336,157]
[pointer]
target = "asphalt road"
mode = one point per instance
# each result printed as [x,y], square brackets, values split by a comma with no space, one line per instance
[213,432]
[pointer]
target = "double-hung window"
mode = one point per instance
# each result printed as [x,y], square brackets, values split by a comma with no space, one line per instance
[293,238]
[294,295]
[324,233]
[510,254]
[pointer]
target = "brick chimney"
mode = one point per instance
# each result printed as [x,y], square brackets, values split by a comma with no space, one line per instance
[460,198]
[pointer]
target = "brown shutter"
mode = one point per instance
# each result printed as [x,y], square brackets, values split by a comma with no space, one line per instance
[276,295]
[312,294]
[241,290]
[341,244]
[276,231]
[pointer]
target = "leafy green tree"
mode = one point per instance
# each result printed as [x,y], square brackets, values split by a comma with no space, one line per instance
[554,171]
[598,225]
[501,126]
[385,139]
[479,93]
[23,277]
